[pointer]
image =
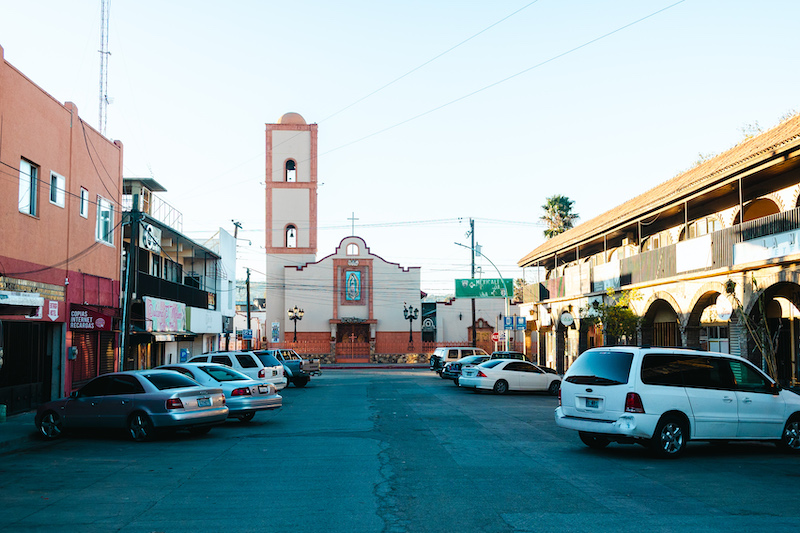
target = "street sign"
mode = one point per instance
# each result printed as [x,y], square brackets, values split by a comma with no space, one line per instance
[485,288]
[522,323]
[498,337]
[508,322]
[247,334]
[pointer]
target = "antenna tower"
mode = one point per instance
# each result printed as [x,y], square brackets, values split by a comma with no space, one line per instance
[104,53]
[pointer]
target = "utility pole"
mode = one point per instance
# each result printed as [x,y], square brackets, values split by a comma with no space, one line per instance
[248,308]
[472,247]
[131,269]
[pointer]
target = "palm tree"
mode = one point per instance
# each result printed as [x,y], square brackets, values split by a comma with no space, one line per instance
[558,215]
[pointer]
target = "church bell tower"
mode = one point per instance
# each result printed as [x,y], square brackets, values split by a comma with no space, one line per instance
[291,207]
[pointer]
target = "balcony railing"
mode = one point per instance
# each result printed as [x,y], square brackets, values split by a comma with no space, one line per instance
[158,209]
[713,251]
[168,290]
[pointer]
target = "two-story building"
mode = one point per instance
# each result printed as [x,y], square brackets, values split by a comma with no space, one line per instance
[730,220]
[60,247]
[171,308]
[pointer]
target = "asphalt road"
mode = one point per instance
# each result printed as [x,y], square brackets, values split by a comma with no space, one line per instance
[394,451]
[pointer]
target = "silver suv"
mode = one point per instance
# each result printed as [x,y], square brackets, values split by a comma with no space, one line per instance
[664,397]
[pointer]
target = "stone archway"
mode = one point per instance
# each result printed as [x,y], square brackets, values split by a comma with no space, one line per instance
[697,331]
[782,307]
[660,323]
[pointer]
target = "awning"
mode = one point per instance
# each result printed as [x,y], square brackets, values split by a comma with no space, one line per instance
[163,336]
[20,303]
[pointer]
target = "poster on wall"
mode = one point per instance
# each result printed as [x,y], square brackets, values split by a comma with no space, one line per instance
[276,332]
[164,315]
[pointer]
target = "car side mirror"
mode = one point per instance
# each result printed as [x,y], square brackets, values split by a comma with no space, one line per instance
[74,394]
[775,388]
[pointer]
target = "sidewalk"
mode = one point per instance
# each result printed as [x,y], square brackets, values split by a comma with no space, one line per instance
[371,366]
[18,432]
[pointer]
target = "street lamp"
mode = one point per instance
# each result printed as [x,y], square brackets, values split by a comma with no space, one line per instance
[295,314]
[411,313]
[506,296]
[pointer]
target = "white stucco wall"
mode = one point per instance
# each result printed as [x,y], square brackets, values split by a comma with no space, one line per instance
[451,328]
[291,145]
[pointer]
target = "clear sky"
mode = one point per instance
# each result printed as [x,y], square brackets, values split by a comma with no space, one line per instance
[482,109]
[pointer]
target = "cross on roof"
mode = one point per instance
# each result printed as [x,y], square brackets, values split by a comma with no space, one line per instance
[353,220]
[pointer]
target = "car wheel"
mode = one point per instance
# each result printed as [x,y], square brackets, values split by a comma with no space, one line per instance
[456,382]
[553,389]
[790,438]
[202,430]
[595,442]
[140,427]
[302,382]
[670,437]
[51,425]
[247,417]
[441,375]
[500,386]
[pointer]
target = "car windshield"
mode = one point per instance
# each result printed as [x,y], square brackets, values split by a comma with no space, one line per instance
[601,367]
[268,359]
[170,380]
[221,373]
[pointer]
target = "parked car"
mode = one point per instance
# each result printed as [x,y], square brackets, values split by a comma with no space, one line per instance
[503,375]
[247,363]
[296,369]
[452,370]
[142,401]
[446,354]
[244,396]
[509,355]
[665,397]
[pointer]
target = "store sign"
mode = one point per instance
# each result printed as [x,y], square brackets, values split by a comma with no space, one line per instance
[83,319]
[150,237]
[164,315]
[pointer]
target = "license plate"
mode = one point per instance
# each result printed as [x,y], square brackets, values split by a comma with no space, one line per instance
[274,372]
[592,403]
[204,402]
[263,389]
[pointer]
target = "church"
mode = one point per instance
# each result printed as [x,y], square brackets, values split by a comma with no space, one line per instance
[349,304]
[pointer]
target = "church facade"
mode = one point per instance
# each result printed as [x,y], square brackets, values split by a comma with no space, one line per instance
[353,301]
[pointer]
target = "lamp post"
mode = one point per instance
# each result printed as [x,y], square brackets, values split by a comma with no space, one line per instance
[411,313]
[295,314]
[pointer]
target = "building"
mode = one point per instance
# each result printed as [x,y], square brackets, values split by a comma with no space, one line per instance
[353,300]
[179,295]
[681,248]
[60,251]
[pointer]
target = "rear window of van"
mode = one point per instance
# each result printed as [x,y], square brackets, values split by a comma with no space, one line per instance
[601,367]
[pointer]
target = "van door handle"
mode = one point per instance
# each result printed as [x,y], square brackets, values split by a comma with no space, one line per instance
[727,399]
[747,400]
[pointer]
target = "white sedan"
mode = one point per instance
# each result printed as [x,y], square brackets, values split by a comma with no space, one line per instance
[244,396]
[503,375]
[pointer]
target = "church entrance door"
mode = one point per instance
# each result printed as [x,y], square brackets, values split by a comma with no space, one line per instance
[352,343]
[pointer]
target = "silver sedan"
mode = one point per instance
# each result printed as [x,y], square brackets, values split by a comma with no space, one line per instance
[244,395]
[142,401]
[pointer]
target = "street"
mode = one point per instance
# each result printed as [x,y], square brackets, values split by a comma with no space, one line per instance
[393,451]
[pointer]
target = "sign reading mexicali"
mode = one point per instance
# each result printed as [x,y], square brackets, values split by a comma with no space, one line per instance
[484,288]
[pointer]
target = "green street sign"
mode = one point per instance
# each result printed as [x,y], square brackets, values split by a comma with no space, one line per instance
[484,288]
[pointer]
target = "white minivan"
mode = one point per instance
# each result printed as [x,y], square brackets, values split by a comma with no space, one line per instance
[664,397]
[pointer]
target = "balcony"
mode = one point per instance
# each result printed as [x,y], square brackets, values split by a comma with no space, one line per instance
[761,239]
[168,290]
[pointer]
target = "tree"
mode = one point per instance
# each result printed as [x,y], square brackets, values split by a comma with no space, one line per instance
[519,290]
[758,327]
[558,215]
[615,315]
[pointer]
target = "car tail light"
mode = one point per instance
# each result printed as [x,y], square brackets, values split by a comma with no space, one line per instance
[262,373]
[559,396]
[242,391]
[480,374]
[633,403]
[174,403]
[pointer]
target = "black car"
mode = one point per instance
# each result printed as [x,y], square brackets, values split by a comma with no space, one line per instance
[509,355]
[452,370]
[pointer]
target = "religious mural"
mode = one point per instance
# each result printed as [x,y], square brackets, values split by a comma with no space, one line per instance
[353,285]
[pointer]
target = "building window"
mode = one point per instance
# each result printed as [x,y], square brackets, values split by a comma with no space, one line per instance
[291,170]
[352,249]
[57,185]
[84,203]
[105,221]
[28,184]
[291,237]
